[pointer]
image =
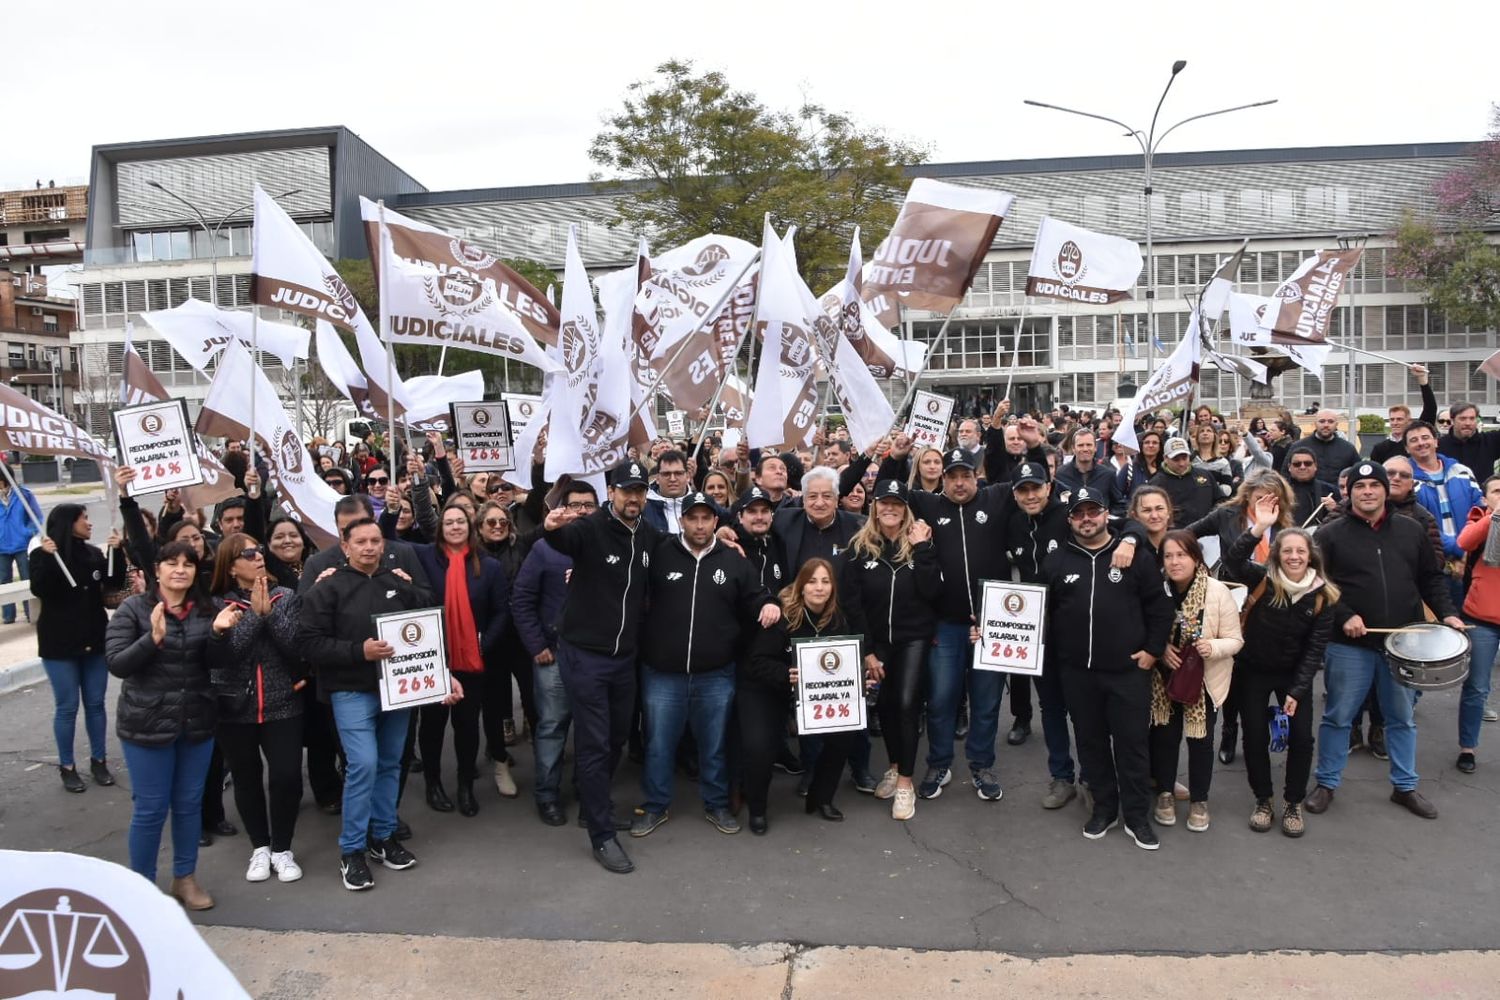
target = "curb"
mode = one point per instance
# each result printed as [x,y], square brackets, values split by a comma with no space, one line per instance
[23,674]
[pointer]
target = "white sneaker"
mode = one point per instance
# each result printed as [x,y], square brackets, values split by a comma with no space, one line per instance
[286,867]
[904,806]
[260,865]
[1490,715]
[504,783]
[887,786]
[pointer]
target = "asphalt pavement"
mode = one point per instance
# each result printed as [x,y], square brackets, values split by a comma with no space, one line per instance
[964,874]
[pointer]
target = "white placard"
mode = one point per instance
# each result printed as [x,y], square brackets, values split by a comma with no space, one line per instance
[481,433]
[156,440]
[1010,633]
[520,408]
[417,672]
[928,424]
[677,423]
[830,685]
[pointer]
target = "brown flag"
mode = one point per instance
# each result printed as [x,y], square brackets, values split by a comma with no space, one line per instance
[937,244]
[1307,299]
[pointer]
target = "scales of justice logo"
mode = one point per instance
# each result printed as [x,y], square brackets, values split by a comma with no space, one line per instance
[830,662]
[1068,264]
[59,943]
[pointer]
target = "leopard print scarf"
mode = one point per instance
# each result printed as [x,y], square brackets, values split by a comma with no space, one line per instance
[1187,627]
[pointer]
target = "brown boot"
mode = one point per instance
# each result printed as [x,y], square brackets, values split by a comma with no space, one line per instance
[190,894]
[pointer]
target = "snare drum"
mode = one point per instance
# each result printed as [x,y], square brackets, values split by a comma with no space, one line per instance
[1430,657]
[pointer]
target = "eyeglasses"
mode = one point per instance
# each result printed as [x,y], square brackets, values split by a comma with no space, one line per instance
[583,505]
[1302,465]
[1445,423]
[495,522]
[377,480]
[1399,475]
[249,553]
[670,473]
[1083,513]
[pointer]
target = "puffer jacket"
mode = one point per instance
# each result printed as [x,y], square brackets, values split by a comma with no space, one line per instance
[166,693]
[261,656]
[1281,640]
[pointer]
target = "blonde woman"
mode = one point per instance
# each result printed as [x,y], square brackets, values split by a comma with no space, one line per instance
[1208,621]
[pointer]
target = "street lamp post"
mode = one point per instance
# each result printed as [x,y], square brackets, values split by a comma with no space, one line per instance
[1150,142]
[211,231]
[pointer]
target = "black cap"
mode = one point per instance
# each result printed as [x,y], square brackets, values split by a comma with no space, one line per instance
[958,458]
[1084,495]
[753,495]
[890,489]
[1029,472]
[628,475]
[699,499]
[1369,470]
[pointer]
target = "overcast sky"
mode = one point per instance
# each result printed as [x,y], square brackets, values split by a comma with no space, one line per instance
[465,94]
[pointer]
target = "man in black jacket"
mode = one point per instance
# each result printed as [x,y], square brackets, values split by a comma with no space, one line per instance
[1309,493]
[1466,443]
[1334,454]
[596,648]
[1085,470]
[338,636]
[817,528]
[1106,629]
[704,598]
[1385,567]
[1192,490]
[754,513]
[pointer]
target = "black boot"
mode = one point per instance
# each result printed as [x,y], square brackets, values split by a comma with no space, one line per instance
[437,797]
[467,804]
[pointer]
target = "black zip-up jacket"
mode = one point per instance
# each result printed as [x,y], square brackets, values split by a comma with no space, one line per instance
[1384,572]
[768,665]
[1479,451]
[166,691]
[338,616]
[71,621]
[767,553]
[897,601]
[261,654]
[701,606]
[607,592]
[970,544]
[1097,616]
[1193,494]
[999,463]
[1226,523]
[1289,640]
[1029,540]
[1307,497]
[1103,478]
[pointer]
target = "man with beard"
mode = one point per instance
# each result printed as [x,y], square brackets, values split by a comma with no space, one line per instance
[1309,493]
[1333,453]
[1466,443]
[1086,470]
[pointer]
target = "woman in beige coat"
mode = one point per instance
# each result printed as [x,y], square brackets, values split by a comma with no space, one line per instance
[1208,620]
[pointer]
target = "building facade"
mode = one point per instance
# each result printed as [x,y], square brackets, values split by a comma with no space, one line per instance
[41,239]
[147,251]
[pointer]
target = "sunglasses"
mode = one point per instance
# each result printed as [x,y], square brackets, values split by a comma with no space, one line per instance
[378,480]
[1445,423]
[1082,513]
[1303,465]
[495,522]
[250,553]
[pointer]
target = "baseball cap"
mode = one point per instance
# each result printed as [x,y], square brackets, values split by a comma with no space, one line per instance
[958,458]
[753,495]
[628,475]
[699,499]
[1029,472]
[1084,495]
[890,489]
[1176,446]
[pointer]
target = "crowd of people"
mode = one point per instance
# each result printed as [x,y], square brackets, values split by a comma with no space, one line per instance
[1201,580]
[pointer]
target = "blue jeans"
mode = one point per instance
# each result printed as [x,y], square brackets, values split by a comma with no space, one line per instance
[1055,723]
[1349,670]
[947,668]
[14,565]
[1484,640]
[554,714]
[373,743]
[162,779]
[83,678]
[671,702]
[986,692]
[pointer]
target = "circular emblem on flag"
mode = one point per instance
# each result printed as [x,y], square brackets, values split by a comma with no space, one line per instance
[411,633]
[65,933]
[341,295]
[1289,292]
[470,254]
[1115,576]
[291,452]
[526,408]
[980,517]
[1069,262]
[830,662]
[578,343]
[455,295]
[481,418]
[1014,603]
[709,259]
[152,424]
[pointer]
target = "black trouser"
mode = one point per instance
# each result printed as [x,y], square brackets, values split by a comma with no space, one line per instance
[243,744]
[601,690]
[1166,746]
[1231,710]
[1020,698]
[1255,689]
[1111,713]
[465,716]
[321,737]
[761,714]
[213,790]
[900,704]
[408,753]
[513,661]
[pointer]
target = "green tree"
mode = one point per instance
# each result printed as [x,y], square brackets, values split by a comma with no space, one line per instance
[709,158]
[1449,256]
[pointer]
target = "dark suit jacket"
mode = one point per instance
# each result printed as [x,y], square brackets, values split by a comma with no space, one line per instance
[789,524]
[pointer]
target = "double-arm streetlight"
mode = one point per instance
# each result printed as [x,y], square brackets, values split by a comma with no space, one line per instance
[1149,142]
[212,231]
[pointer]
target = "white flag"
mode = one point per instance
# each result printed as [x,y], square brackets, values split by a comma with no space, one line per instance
[622,392]
[1236,365]
[1246,326]
[1215,297]
[198,331]
[1170,384]
[1075,265]
[784,407]
[430,308]
[866,409]
[575,444]
[684,286]
[340,367]
[300,489]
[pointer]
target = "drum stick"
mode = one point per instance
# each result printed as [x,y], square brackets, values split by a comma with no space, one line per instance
[1403,631]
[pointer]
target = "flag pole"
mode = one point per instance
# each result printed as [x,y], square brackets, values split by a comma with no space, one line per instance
[710,316]
[1015,355]
[390,355]
[911,388]
[36,521]
[1360,350]
[442,357]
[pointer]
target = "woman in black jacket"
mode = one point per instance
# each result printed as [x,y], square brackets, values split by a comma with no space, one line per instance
[1288,622]
[508,657]
[765,688]
[892,582]
[255,673]
[70,633]
[158,643]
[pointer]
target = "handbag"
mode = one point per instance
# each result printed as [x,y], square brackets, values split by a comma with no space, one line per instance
[1185,685]
[233,702]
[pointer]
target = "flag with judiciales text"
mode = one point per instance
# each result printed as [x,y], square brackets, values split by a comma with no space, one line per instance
[783,410]
[1073,264]
[1302,307]
[936,245]
[1169,385]
[685,284]
[198,331]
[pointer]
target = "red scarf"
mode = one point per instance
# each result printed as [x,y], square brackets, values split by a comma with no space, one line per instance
[463,635]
